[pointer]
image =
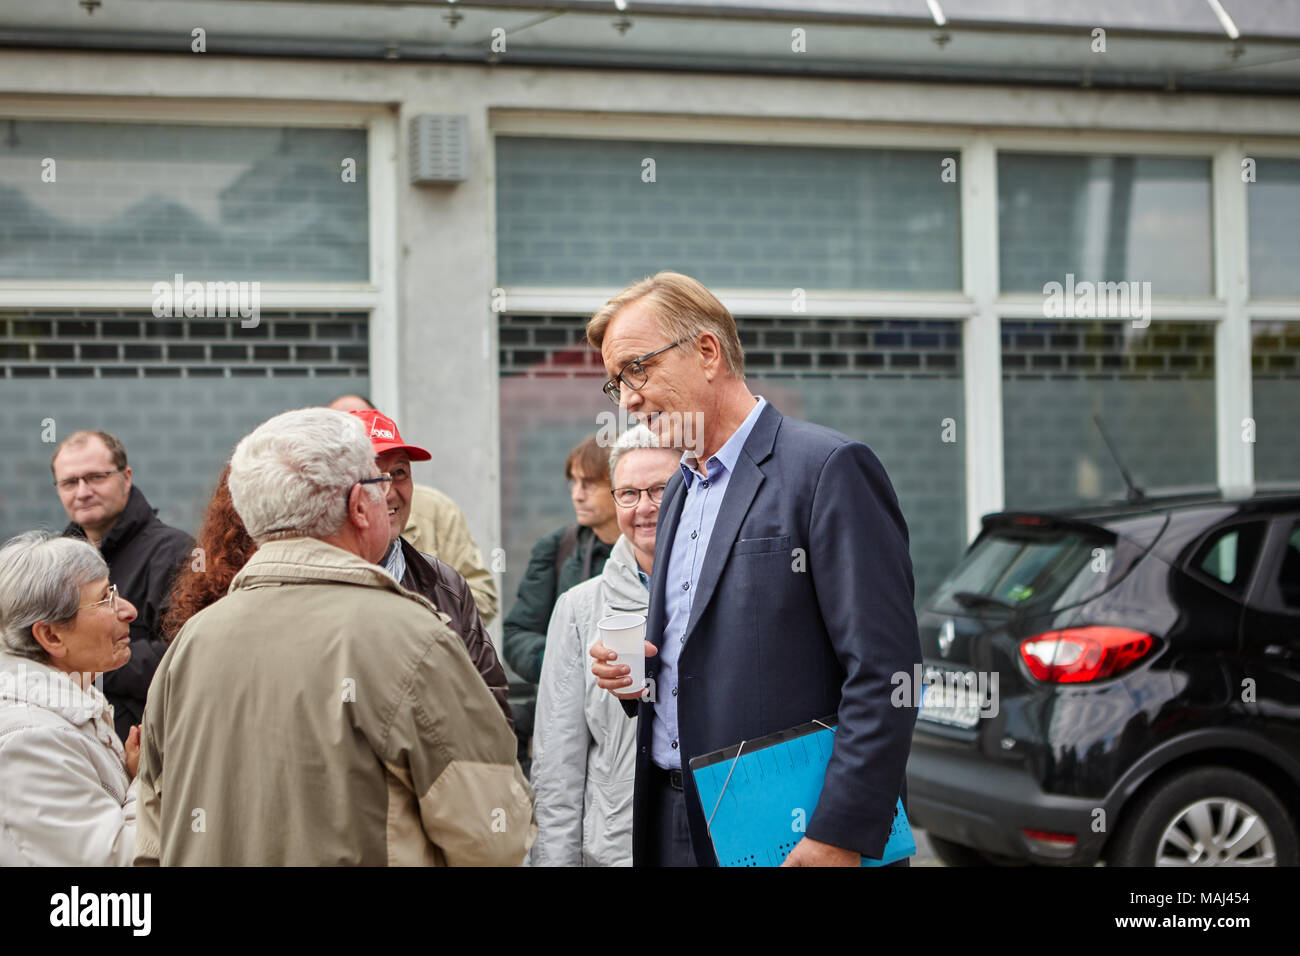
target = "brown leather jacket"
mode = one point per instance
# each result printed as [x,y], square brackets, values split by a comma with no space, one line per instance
[443,585]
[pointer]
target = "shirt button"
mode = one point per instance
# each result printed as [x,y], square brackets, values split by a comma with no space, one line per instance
[695,534]
[686,586]
[674,745]
[704,484]
[674,691]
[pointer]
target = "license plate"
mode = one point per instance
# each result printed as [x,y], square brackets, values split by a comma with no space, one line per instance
[950,697]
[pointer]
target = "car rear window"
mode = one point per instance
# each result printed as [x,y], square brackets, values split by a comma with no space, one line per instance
[1228,556]
[1044,568]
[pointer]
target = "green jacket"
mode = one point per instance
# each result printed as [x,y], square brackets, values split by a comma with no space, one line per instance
[524,629]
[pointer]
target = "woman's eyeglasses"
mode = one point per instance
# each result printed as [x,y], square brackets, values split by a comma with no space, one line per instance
[629,497]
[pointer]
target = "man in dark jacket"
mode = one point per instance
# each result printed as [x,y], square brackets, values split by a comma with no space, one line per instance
[422,573]
[143,554]
[560,560]
[782,588]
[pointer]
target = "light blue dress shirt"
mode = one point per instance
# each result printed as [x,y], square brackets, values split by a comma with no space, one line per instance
[690,545]
[395,561]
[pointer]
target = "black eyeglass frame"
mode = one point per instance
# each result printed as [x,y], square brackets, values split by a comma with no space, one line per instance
[368,481]
[347,495]
[654,501]
[611,387]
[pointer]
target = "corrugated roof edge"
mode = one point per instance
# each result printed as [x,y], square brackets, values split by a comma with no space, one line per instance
[835,12]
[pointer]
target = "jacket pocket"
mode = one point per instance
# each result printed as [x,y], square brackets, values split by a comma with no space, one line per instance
[761,545]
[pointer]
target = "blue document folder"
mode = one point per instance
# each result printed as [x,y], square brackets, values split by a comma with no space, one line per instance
[759,805]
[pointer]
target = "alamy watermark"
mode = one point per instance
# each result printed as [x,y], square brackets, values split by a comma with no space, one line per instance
[47,687]
[130,910]
[1098,300]
[190,300]
[683,430]
[975,692]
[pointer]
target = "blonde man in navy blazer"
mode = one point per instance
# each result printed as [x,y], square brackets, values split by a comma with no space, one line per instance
[782,589]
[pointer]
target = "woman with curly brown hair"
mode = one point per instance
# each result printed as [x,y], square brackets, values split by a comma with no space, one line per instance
[225,547]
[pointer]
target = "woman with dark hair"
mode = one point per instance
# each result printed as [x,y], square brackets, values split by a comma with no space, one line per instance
[224,547]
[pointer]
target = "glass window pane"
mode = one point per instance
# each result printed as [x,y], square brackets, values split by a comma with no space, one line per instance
[1104,219]
[1017,569]
[888,383]
[1153,389]
[1273,208]
[144,201]
[1275,390]
[1288,574]
[179,394]
[1230,557]
[1221,560]
[582,213]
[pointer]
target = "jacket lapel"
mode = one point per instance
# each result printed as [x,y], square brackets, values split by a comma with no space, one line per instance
[742,486]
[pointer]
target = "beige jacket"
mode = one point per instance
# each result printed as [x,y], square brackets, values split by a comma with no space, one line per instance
[320,714]
[438,527]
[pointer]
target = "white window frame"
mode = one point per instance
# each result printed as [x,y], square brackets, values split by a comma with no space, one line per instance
[378,296]
[1253,309]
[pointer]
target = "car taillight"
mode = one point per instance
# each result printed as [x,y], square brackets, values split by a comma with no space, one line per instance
[1078,654]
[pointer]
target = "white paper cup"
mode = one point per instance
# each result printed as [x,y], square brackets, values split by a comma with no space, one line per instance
[624,634]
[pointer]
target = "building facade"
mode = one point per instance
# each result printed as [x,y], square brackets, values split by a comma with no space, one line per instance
[890,228]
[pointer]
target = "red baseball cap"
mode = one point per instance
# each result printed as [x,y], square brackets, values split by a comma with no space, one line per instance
[385,436]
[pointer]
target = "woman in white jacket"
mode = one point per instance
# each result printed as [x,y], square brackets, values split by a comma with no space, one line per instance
[67,791]
[584,745]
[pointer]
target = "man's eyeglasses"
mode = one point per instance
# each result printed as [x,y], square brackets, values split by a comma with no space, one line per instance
[630,497]
[633,374]
[111,600]
[386,479]
[92,479]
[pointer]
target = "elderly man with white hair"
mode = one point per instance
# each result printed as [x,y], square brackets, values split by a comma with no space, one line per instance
[67,796]
[321,714]
[584,747]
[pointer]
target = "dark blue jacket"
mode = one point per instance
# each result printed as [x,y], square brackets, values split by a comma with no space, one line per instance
[804,608]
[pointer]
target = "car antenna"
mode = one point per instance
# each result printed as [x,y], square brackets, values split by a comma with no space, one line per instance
[1134,492]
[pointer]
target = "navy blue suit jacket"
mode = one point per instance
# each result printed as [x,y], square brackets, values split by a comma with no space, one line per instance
[803,609]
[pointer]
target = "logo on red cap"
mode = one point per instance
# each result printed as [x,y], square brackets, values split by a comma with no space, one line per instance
[385,436]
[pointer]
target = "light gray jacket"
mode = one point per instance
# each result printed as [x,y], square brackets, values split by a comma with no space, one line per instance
[65,796]
[584,745]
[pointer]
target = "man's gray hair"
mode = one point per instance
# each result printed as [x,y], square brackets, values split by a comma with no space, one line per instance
[290,476]
[638,436]
[41,577]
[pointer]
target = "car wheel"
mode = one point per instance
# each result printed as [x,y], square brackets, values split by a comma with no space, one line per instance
[954,854]
[1207,816]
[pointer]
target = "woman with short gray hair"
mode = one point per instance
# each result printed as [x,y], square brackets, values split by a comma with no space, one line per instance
[584,745]
[68,794]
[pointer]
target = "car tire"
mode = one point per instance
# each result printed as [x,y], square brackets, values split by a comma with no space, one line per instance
[954,854]
[1165,820]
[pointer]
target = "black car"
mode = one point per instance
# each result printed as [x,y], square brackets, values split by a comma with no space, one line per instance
[1117,683]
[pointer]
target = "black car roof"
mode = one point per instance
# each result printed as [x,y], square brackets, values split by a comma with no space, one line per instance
[1265,500]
